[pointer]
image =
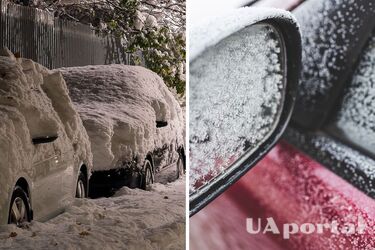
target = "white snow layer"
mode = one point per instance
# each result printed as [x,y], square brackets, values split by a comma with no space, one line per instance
[119,106]
[34,102]
[235,97]
[208,32]
[199,9]
[132,219]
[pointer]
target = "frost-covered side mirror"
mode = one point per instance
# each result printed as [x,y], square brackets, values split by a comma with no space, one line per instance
[44,139]
[244,70]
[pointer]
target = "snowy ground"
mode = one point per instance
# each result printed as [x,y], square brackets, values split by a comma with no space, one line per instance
[131,219]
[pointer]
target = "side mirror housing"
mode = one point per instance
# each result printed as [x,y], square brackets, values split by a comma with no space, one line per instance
[244,70]
[161,124]
[44,139]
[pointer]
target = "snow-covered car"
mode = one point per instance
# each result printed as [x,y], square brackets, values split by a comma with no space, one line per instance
[134,122]
[45,155]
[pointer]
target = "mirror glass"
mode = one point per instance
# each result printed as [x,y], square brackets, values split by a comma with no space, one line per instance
[236,97]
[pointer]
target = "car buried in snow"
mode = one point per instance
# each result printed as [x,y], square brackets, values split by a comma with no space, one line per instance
[45,155]
[134,122]
[323,169]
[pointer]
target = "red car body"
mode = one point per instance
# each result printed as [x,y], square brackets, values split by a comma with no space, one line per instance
[289,187]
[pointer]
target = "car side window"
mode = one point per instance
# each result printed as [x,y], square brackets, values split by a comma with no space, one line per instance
[355,120]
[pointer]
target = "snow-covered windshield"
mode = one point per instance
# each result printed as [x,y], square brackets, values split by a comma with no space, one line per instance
[236,94]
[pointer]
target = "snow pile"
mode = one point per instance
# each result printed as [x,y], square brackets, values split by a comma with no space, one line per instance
[119,106]
[356,118]
[132,219]
[34,102]
[236,96]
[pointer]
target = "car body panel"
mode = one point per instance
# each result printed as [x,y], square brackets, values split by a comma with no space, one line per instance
[52,184]
[290,187]
[342,159]
[164,157]
[46,178]
[45,183]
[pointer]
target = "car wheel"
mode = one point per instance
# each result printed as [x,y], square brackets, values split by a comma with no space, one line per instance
[148,177]
[180,167]
[19,211]
[81,186]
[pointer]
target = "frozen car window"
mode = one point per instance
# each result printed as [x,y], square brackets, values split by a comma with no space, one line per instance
[356,117]
[333,33]
[235,98]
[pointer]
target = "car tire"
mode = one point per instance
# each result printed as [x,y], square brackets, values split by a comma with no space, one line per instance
[20,208]
[148,176]
[81,191]
[180,167]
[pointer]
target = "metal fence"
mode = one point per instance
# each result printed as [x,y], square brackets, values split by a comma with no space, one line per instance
[53,42]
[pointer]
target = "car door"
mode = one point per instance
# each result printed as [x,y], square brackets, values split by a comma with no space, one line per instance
[55,177]
[160,158]
[164,156]
[65,168]
[47,182]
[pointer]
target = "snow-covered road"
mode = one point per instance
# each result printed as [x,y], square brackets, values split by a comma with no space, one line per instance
[131,219]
